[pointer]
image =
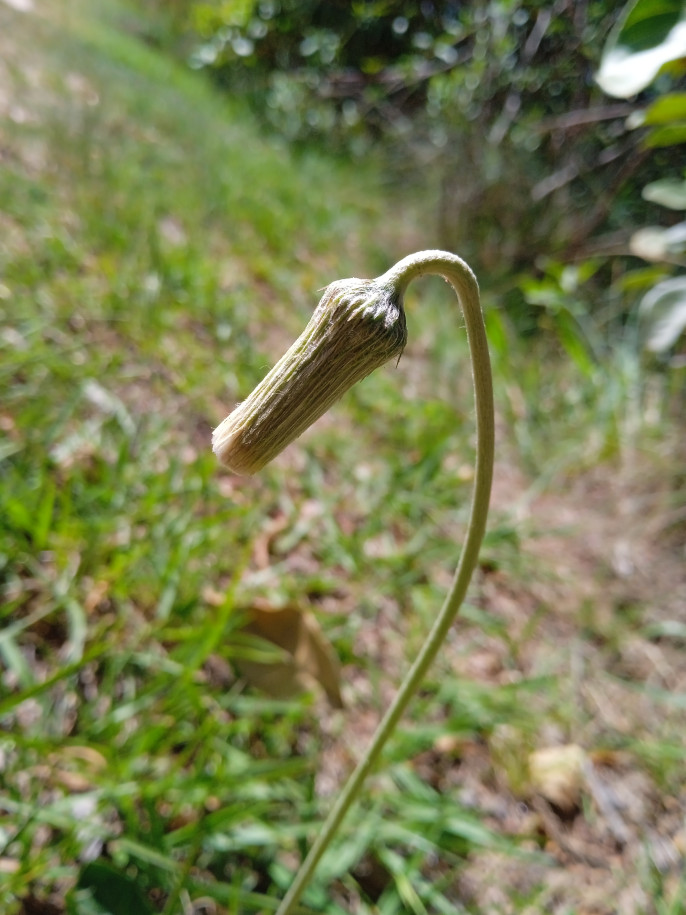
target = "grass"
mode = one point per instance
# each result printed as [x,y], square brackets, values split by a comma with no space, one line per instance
[157,252]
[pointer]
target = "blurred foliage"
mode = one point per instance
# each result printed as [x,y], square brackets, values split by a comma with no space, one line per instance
[491,108]
[650,37]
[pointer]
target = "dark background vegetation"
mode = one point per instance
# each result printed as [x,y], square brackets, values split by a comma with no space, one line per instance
[179,179]
[492,108]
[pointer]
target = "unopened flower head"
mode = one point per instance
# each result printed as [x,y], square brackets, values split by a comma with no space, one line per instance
[357,326]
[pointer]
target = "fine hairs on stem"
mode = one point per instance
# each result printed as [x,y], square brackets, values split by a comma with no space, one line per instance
[358,325]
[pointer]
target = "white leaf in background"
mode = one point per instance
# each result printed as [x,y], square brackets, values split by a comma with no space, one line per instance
[628,65]
[663,314]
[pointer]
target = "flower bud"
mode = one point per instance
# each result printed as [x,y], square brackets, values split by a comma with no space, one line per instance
[357,326]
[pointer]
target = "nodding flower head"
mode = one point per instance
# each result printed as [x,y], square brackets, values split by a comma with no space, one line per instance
[357,326]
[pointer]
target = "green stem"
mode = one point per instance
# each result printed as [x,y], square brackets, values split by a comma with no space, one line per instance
[459,275]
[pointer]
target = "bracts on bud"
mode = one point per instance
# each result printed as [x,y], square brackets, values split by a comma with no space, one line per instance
[357,326]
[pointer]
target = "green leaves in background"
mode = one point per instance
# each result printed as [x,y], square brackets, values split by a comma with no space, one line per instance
[650,34]
[663,314]
[668,192]
[653,243]
[667,119]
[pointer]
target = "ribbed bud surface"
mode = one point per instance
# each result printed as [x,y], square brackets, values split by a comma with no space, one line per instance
[357,326]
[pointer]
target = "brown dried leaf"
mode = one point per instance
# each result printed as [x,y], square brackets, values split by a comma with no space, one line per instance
[309,657]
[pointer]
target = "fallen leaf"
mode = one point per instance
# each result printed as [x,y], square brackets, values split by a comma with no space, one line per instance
[308,655]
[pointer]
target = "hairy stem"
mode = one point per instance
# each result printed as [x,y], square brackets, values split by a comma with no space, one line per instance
[459,275]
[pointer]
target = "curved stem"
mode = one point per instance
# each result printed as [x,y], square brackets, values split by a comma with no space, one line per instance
[459,275]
